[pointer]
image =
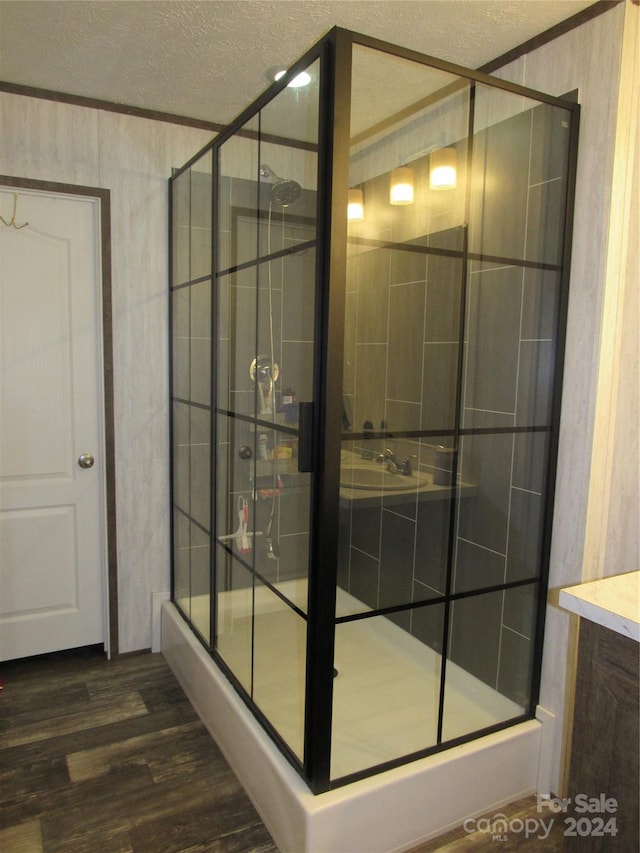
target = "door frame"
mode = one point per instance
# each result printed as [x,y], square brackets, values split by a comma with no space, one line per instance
[103,196]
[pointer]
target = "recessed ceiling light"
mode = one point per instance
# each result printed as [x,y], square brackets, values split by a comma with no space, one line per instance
[301,79]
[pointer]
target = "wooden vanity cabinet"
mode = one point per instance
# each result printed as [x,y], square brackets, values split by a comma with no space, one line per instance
[605,745]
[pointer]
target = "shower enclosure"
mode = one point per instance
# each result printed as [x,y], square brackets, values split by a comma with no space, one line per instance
[366,399]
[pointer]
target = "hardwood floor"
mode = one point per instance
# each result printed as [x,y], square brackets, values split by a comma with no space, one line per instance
[99,757]
[110,757]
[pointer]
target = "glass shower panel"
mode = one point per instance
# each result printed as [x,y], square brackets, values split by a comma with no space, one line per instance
[265,301]
[190,388]
[180,237]
[200,224]
[181,562]
[517,209]
[489,665]
[402,359]
[485,461]
[235,302]
[180,413]
[442,324]
[404,286]
[180,342]
[285,345]
[200,343]
[280,645]
[386,691]
[285,329]
[517,201]
[234,620]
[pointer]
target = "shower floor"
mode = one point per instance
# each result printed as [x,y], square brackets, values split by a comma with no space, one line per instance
[385,695]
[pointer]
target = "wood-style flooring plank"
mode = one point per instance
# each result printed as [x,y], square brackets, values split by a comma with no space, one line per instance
[111,757]
[91,763]
[22,838]
[90,716]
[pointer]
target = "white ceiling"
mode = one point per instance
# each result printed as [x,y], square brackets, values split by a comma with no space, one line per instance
[208,60]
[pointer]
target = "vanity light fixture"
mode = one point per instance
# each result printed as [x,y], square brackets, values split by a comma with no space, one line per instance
[401,186]
[355,206]
[443,169]
[301,79]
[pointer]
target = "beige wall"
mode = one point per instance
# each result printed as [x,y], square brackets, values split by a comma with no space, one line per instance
[613,522]
[132,157]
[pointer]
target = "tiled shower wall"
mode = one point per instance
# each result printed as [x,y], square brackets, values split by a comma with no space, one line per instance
[401,354]
[244,314]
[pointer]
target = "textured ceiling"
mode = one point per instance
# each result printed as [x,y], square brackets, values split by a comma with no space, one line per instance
[208,60]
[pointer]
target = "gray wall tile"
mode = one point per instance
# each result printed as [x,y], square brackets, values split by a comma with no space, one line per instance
[365,530]
[439,377]
[475,636]
[364,578]
[514,677]
[519,609]
[540,304]
[406,321]
[499,198]
[535,383]
[530,461]
[427,624]
[476,567]
[549,143]
[396,560]
[525,531]
[486,461]
[373,296]
[493,327]
[545,222]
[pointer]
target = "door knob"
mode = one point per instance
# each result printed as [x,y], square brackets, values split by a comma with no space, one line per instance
[86,460]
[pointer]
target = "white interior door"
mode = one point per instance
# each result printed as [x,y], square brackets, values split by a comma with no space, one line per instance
[52,510]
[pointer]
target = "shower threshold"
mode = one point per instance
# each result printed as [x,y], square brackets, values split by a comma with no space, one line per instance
[424,798]
[386,697]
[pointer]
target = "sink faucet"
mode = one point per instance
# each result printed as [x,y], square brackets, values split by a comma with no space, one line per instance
[393,466]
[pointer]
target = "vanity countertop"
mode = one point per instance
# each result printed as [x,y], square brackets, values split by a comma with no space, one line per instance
[612,602]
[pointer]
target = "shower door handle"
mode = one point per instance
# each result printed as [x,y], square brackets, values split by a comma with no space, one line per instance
[305,437]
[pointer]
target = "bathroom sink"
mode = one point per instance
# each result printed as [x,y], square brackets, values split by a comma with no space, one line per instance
[379,479]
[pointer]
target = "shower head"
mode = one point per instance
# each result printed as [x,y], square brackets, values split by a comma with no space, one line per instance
[285,190]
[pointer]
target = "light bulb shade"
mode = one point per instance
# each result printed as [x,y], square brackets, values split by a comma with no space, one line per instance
[443,173]
[401,186]
[355,206]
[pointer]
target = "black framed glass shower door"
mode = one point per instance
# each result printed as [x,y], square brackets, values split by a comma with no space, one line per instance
[366,412]
[264,356]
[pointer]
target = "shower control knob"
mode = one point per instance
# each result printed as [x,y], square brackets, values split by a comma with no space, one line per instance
[245,452]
